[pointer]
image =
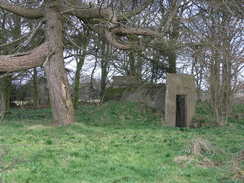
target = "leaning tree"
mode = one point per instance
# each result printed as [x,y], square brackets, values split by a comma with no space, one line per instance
[100,17]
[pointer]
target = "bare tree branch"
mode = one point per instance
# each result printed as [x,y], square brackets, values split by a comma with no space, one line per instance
[26,60]
[21,11]
[135,31]
[31,36]
[17,41]
[137,11]
[91,13]
[111,39]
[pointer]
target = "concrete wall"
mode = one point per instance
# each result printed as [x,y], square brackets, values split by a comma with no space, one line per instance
[125,82]
[179,84]
[151,95]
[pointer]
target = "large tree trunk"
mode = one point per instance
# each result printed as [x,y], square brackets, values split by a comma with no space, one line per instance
[61,103]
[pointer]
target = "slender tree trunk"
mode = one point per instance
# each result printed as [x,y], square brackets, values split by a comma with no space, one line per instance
[61,103]
[226,69]
[2,104]
[5,89]
[226,91]
[139,64]
[104,74]
[106,49]
[226,83]
[172,62]
[35,89]
[154,66]
[80,63]
[173,36]
[215,87]
[2,100]
[7,81]
[132,66]
[197,69]
[222,71]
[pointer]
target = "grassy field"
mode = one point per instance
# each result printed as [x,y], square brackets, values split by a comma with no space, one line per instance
[115,143]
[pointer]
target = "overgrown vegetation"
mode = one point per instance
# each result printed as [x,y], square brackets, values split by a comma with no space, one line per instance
[113,93]
[117,142]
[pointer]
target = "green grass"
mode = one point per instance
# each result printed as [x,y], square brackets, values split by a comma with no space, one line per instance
[112,143]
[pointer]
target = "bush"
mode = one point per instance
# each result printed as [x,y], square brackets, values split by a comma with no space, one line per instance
[113,93]
[116,93]
[237,114]
[203,115]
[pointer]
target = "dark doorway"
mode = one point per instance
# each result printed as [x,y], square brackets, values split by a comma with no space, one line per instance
[180,111]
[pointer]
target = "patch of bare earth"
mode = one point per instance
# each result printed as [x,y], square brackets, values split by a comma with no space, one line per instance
[38,127]
[238,171]
[196,151]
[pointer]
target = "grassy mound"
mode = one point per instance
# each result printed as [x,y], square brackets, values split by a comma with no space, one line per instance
[114,142]
[117,114]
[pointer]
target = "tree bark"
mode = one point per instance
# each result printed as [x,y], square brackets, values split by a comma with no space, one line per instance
[52,51]
[21,11]
[35,89]
[61,103]
[26,60]
[7,92]
[80,63]
[132,67]
[215,87]
[2,100]
[173,35]
[172,62]
[106,49]
[154,66]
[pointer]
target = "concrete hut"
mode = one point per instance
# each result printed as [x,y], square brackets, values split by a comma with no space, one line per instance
[175,101]
[180,100]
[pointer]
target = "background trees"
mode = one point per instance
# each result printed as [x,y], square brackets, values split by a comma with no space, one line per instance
[142,38]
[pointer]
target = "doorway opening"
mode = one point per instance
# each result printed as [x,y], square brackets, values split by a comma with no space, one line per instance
[180,110]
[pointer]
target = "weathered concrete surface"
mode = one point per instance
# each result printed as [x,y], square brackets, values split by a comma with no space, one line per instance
[179,84]
[151,95]
[129,88]
[125,82]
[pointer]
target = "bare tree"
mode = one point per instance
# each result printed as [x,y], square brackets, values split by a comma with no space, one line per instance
[217,38]
[100,17]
